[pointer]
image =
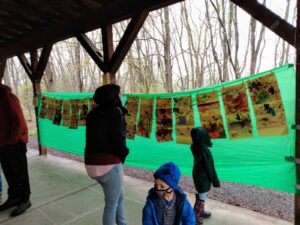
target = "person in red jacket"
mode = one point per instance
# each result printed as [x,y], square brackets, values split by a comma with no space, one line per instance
[13,139]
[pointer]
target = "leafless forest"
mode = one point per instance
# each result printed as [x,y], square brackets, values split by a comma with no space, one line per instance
[185,46]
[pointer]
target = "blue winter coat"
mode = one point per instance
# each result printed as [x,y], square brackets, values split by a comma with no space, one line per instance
[184,212]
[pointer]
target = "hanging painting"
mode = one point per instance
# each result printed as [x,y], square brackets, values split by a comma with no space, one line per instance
[237,111]
[268,107]
[50,109]
[57,111]
[146,116]
[210,114]
[184,112]
[43,112]
[132,104]
[74,117]
[164,119]
[83,111]
[66,115]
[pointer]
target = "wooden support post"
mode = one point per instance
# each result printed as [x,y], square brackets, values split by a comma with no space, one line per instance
[35,71]
[297,151]
[36,94]
[2,69]
[105,78]
[36,86]
[108,48]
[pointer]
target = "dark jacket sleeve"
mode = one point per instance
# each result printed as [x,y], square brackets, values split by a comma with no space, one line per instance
[118,134]
[210,168]
[13,106]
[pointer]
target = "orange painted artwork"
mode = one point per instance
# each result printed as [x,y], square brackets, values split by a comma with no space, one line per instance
[268,107]
[184,113]
[57,112]
[132,105]
[210,114]
[237,111]
[164,119]
[66,114]
[44,106]
[50,109]
[83,111]
[146,117]
[74,116]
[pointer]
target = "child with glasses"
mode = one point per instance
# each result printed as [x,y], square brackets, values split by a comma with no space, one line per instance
[166,202]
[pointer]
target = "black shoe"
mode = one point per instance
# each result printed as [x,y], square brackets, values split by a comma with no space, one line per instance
[22,207]
[10,202]
[206,214]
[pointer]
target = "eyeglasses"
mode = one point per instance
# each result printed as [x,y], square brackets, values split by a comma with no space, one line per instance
[167,190]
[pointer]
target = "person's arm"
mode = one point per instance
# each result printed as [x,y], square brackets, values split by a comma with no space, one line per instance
[188,214]
[118,134]
[15,117]
[210,168]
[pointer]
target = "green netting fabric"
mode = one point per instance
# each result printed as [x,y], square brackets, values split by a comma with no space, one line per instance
[258,161]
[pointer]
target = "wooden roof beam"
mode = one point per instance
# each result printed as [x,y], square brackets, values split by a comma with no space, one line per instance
[269,19]
[108,47]
[36,68]
[126,41]
[119,10]
[91,49]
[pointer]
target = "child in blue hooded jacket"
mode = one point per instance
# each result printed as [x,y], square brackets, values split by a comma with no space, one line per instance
[166,202]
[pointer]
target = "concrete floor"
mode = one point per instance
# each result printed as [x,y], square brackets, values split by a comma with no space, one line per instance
[63,194]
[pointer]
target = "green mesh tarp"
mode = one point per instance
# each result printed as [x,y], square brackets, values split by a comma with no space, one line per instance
[258,161]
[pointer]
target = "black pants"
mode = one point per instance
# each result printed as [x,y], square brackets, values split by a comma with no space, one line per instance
[14,165]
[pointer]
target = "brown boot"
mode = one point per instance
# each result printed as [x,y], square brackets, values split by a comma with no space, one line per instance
[199,209]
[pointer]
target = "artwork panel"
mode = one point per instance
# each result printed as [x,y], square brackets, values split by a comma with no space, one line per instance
[146,115]
[83,111]
[210,114]
[74,122]
[131,105]
[164,120]
[57,112]
[268,107]
[237,111]
[184,113]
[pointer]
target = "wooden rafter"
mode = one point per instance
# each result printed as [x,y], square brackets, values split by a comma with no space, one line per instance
[269,19]
[125,43]
[108,47]
[60,26]
[111,60]
[36,68]
[43,62]
[26,65]
[92,50]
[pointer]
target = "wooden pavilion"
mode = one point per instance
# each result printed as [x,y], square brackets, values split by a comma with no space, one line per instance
[29,25]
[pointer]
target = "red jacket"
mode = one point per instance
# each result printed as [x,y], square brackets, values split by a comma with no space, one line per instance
[13,127]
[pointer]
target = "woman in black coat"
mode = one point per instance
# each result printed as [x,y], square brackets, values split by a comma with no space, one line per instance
[106,150]
[204,173]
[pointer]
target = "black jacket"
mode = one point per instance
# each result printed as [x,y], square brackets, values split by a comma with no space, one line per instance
[105,133]
[204,172]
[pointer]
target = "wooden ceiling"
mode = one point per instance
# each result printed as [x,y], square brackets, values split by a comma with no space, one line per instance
[31,24]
